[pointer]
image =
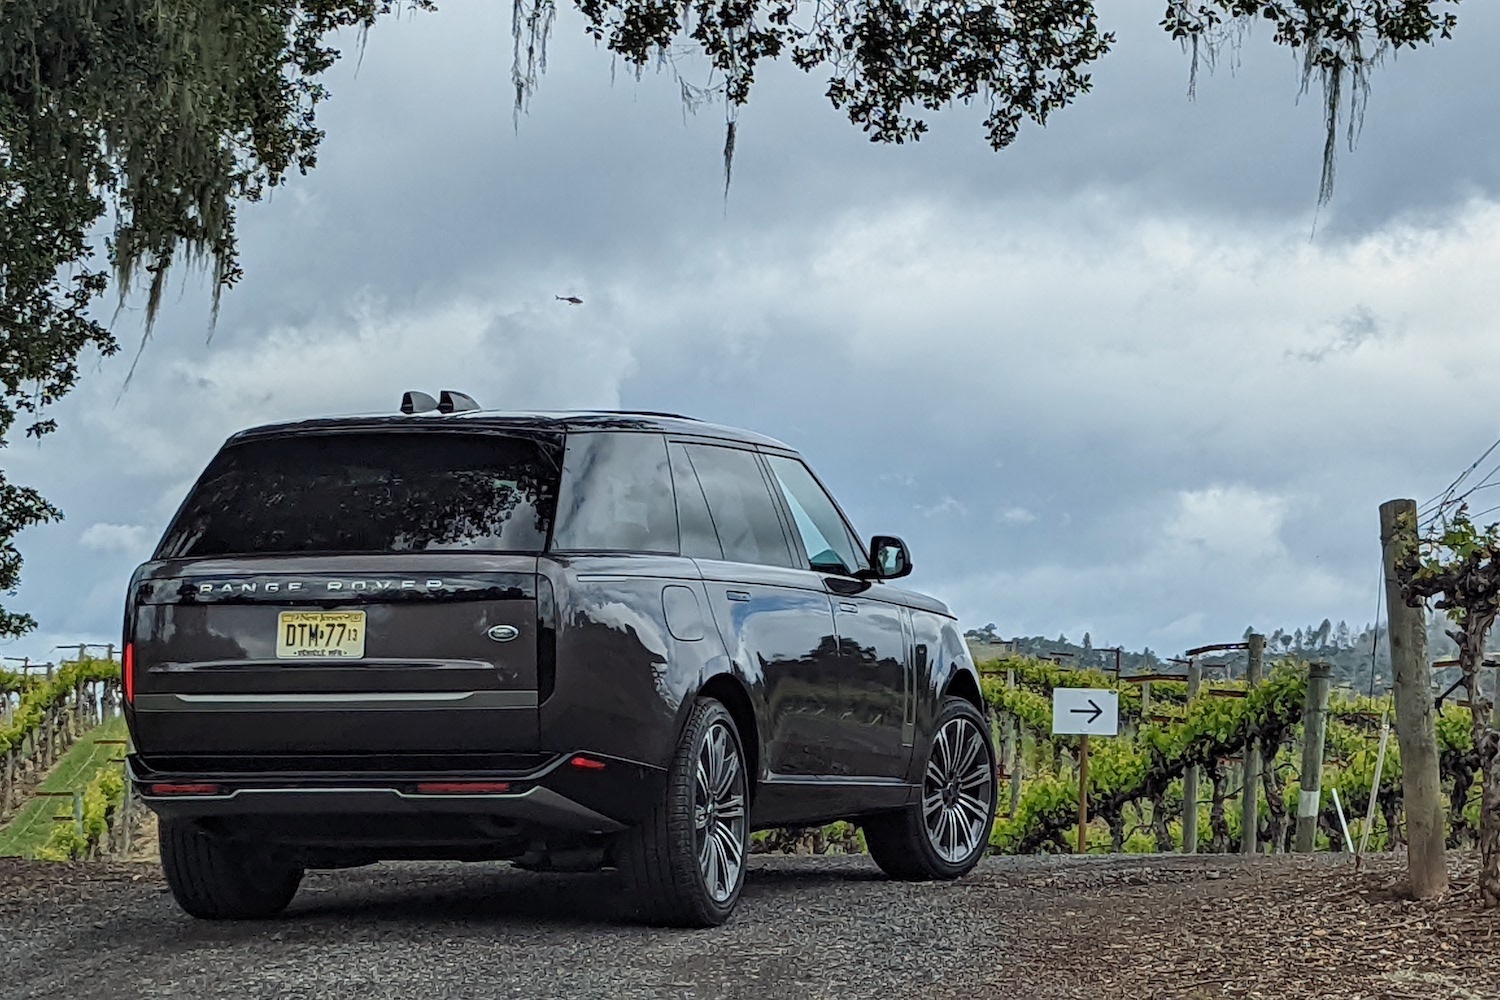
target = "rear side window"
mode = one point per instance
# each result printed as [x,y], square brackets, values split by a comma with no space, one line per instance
[739,500]
[699,541]
[616,495]
[370,493]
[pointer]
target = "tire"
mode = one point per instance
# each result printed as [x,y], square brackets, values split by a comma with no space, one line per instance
[685,865]
[917,844]
[213,878]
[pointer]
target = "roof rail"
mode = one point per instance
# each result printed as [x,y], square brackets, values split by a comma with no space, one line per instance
[651,413]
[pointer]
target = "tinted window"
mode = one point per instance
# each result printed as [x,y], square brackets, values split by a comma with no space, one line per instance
[616,495]
[370,492]
[699,541]
[825,536]
[740,503]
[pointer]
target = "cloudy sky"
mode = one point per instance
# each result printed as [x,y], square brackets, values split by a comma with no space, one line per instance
[1113,379]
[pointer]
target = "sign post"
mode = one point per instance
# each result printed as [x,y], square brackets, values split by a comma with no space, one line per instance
[1083,795]
[1084,712]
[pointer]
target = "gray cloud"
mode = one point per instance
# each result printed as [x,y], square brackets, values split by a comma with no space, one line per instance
[1095,344]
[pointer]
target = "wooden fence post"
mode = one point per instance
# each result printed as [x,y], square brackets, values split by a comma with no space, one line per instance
[8,781]
[1013,747]
[1314,739]
[1416,732]
[1190,779]
[126,819]
[1250,793]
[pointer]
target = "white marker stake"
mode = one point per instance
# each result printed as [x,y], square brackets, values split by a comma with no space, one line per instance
[1340,807]
[1385,736]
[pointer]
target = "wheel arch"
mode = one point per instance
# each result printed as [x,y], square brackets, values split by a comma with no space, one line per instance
[730,691]
[963,682]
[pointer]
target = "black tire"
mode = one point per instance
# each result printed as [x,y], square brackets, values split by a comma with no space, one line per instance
[660,859]
[213,878]
[901,842]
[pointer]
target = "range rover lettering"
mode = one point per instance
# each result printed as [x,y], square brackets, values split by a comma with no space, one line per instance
[574,641]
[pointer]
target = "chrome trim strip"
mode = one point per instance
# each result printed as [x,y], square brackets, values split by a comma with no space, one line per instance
[270,702]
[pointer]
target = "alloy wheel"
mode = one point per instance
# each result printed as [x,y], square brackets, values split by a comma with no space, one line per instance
[719,791]
[958,791]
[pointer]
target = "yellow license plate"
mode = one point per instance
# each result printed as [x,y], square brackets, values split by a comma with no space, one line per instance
[320,634]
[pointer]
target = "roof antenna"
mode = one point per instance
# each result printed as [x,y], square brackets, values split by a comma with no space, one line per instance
[450,401]
[417,402]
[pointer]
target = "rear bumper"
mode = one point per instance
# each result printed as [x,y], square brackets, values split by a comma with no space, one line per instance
[604,796]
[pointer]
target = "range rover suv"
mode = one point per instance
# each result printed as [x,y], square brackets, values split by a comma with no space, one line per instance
[575,641]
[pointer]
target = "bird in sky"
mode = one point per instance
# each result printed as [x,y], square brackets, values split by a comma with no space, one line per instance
[570,299]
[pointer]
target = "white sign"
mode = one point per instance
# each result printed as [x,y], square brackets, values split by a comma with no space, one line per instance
[1085,712]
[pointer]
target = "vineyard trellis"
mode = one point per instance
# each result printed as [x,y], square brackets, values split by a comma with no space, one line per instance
[1136,781]
[42,717]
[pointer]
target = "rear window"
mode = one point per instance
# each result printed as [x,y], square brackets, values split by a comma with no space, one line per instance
[369,493]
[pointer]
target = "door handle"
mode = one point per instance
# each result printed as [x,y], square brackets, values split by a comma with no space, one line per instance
[852,609]
[737,595]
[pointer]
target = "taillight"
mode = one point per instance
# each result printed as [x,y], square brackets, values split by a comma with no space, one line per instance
[127,672]
[166,788]
[587,763]
[462,787]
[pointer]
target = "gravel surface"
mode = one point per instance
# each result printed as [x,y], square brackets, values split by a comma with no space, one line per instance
[1147,927]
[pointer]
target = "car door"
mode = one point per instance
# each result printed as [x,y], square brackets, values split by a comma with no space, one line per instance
[874,676]
[776,620]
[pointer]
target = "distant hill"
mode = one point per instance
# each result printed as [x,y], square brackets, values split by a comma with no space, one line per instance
[1348,651]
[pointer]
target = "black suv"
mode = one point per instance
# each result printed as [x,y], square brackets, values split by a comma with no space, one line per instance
[572,640]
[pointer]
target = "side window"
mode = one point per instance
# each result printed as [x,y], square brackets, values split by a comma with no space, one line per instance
[616,495]
[830,547]
[693,521]
[740,503]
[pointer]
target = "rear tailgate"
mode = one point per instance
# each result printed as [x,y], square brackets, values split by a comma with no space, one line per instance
[367,657]
[364,592]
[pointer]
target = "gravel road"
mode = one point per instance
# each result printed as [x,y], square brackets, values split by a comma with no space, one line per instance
[806,927]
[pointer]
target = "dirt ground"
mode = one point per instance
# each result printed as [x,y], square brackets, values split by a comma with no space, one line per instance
[1284,927]
[1138,927]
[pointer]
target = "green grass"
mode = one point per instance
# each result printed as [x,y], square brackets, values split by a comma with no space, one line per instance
[31,827]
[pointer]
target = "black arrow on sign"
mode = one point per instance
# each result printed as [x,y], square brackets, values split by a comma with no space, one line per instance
[1093,716]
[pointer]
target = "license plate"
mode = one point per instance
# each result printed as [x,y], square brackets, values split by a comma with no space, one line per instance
[320,634]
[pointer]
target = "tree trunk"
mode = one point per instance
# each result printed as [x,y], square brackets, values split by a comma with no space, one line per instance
[1160,817]
[1392,813]
[1475,627]
[1276,818]
[1218,822]
[1459,834]
[1489,814]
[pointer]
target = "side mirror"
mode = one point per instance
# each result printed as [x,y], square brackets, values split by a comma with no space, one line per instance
[889,557]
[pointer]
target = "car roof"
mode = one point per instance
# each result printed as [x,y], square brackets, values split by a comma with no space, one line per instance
[531,420]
